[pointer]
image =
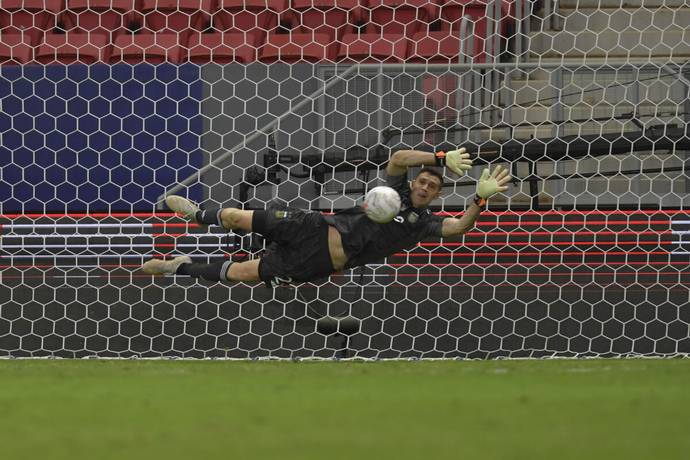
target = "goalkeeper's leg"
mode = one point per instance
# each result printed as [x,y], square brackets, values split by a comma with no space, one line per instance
[228,218]
[217,271]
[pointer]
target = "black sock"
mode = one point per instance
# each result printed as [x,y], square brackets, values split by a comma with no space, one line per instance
[209,217]
[212,272]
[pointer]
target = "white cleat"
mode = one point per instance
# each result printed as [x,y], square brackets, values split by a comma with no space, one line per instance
[182,206]
[165,267]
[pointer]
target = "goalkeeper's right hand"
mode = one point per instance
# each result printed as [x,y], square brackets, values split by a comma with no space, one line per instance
[491,183]
[458,161]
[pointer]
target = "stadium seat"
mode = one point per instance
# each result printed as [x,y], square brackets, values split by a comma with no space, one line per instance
[298,46]
[372,46]
[15,48]
[321,16]
[176,15]
[248,15]
[398,17]
[30,17]
[383,30]
[435,47]
[71,47]
[451,12]
[152,48]
[221,47]
[109,17]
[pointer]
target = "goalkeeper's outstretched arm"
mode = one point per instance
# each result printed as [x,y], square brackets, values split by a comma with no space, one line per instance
[488,185]
[457,161]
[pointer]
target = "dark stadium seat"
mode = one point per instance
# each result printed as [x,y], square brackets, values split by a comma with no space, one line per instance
[298,46]
[176,15]
[108,17]
[31,17]
[321,16]
[221,47]
[152,48]
[372,46]
[248,15]
[15,48]
[71,47]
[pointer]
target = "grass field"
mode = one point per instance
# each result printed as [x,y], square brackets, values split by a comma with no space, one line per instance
[547,409]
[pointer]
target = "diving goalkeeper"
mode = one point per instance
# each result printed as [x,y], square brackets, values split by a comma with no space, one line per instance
[305,246]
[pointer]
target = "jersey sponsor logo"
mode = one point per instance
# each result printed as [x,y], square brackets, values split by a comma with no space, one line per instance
[278,281]
[413,217]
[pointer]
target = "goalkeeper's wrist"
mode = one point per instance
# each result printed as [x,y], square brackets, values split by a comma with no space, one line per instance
[440,157]
[480,202]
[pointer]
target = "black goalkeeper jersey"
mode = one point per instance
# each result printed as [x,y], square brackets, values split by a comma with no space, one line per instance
[366,241]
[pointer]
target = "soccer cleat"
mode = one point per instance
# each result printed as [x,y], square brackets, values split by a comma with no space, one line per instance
[182,206]
[165,267]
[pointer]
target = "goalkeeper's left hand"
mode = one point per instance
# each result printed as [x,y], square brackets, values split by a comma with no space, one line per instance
[492,183]
[458,161]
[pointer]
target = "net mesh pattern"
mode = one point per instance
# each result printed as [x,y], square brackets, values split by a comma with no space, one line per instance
[109,106]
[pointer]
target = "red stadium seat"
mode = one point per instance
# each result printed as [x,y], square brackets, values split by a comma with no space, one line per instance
[298,46]
[153,48]
[31,17]
[372,46]
[72,47]
[451,13]
[398,17]
[435,47]
[221,47]
[321,16]
[176,15]
[386,29]
[108,17]
[15,48]
[248,15]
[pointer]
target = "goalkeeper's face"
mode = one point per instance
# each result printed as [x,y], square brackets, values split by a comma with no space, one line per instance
[425,189]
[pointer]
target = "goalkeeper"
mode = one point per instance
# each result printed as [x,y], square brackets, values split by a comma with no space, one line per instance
[307,246]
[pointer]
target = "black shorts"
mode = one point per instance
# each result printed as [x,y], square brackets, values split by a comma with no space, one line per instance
[296,246]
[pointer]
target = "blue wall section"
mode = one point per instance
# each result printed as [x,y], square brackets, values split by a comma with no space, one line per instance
[97,138]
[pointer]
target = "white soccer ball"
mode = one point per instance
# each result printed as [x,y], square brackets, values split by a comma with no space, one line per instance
[381,204]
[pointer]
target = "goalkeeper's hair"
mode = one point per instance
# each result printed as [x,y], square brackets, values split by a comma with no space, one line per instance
[434,172]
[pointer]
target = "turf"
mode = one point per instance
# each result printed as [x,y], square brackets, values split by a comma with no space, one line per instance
[557,409]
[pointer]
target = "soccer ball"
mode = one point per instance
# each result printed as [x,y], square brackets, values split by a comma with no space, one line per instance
[381,204]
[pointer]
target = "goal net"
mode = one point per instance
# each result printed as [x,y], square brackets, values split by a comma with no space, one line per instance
[105,110]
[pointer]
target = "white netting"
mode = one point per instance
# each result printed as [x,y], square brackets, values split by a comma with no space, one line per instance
[302,103]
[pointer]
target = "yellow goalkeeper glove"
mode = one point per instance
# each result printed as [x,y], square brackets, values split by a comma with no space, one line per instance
[490,184]
[457,161]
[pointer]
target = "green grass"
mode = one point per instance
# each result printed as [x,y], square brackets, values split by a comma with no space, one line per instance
[575,409]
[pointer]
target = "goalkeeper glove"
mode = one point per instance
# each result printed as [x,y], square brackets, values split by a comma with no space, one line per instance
[457,161]
[491,183]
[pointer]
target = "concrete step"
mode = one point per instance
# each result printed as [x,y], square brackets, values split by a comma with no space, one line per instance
[529,92]
[622,19]
[546,130]
[573,4]
[657,94]
[597,61]
[672,43]
[544,114]
[533,132]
